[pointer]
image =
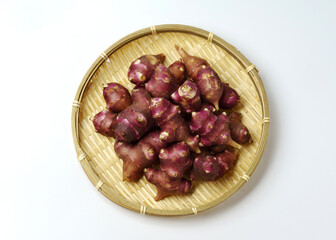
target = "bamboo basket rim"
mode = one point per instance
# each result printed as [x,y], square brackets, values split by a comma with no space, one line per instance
[250,69]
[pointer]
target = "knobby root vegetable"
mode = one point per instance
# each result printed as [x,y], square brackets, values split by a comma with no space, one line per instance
[117,97]
[212,129]
[239,131]
[104,123]
[229,98]
[209,168]
[175,160]
[205,168]
[177,69]
[174,127]
[220,133]
[168,179]
[166,185]
[206,79]
[137,157]
[136,120]
[191,63]
[209,85]
[203,121]
[142,68]
[226,161]
[187,96]
[162,82]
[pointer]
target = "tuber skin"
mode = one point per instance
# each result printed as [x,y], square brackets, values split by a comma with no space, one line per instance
[205,168]
[166,185]
[203,121]
[136,120]
[142,68]
[210,168]
[191,63]
[215,149]
[229,98]
[162,82]
[239,131]
[174,127]
[212,129]
[177,69]
[220,133]
[137,157]
[226,161]
[174,162]
[209,85]
[188,97]
[117,97]
[105,122]
[207,80]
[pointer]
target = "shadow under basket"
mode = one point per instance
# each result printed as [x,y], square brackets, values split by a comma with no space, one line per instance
[96,153]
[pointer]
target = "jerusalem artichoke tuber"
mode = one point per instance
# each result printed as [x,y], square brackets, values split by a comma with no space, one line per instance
[104,123]
[229,98]
[205,168]
[136,120]
[206,79]
[174,128]
[117,97]
[191,63]
[239,131]
[138,156]
[187,96]
[213,130]
[209,168]
[162,82]
[177,69]
[209,85]
[226,161]
[142,68]
[174,162]
[166,185]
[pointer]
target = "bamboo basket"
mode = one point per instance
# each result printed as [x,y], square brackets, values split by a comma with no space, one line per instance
[95,152]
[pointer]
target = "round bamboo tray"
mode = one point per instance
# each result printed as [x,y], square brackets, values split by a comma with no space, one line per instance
[95,152]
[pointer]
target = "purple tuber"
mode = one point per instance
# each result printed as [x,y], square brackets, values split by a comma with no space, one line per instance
[105,122]
[226,161]
[239,131]
[209,85]
[174,162]
[191,63]
[136,120]
[209,168]
[174,127]
[162,82]
[206,79]
[142,68]
[117,97]
[187,96]
[203,121]
[212,129]
[166,185]
[177,69]
[137,157]
[229,98]
[205,168]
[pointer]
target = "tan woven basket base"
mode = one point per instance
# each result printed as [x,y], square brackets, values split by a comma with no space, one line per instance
[99,149]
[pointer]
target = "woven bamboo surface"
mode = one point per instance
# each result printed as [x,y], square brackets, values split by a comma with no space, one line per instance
[95,152]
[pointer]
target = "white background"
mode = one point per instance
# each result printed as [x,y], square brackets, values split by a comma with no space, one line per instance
[47,46]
